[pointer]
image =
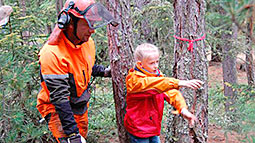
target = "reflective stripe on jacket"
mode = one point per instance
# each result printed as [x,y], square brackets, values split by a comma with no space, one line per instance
[65,71]
[146,93]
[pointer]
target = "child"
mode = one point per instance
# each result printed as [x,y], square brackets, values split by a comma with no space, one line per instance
[146,91]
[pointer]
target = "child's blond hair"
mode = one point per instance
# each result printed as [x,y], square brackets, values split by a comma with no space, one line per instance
[144,50]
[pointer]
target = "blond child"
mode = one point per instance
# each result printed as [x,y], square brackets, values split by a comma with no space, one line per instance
[146,91]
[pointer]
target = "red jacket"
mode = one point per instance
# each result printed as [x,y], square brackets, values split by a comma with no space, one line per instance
[146,93]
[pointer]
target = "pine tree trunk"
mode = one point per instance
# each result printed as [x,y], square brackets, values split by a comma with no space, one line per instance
[190,24]
[249,57]
[249,66]
[120,51]
[59,6]
[229,67]
[25,34]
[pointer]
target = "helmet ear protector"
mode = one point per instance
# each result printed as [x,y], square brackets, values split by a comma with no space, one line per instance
[64,18]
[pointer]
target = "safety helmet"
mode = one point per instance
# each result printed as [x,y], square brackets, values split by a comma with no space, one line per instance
[95,14]
[80,4]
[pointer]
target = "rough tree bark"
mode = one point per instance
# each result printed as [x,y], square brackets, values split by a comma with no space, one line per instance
[249,65]
[120,51]
[189,23]
[249,57]
[229,66]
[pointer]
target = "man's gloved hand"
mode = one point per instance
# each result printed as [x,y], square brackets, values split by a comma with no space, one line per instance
[76,138]
[107,72]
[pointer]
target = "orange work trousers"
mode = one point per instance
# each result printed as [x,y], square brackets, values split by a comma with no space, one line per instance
[56,128]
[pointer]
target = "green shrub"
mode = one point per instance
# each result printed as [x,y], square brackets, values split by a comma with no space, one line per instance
[241,116]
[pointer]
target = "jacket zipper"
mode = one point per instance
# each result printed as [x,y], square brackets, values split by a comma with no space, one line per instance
[84,75]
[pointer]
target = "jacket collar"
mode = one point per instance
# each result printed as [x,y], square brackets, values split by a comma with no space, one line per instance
[144,71]
[70,44]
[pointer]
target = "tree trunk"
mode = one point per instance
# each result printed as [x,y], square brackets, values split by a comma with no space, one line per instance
[120,51]
[145,28]
[24,34]
[23,7]
[59,6]
[229,66]
[248,53]
[190,24]
[249,65]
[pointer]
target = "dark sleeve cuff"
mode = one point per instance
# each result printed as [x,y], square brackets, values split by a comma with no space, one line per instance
[98,70]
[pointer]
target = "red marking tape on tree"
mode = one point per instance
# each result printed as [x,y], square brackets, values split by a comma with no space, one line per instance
[190,48]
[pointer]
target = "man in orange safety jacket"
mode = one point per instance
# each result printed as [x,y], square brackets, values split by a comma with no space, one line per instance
[67,62]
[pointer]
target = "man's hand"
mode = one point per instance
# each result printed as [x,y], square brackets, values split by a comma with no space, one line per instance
[189,116]
[194,83]
[76,138]
[107,72]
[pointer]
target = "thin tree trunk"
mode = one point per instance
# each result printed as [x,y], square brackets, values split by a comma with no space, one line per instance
[145,28]
[249,57]
[249,66]
[59,6]
[120,51]
[23,7]
[24,34]
[229,67]
[190,24]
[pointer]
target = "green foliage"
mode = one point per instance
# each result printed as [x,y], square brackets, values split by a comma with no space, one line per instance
[221,16]
[241,116]
[153,23]
[20,41]
[101,42]
[102,117]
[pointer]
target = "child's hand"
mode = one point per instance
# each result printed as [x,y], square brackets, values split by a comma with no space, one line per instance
[189,116]
[194,83]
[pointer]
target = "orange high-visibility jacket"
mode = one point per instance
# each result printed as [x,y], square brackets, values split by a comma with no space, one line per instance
[146,93]
[65,71]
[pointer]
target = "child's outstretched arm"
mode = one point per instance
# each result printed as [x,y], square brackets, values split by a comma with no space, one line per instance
[177,100]
[194,83]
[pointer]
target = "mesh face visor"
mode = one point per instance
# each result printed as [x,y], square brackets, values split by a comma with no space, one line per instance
[97,16]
